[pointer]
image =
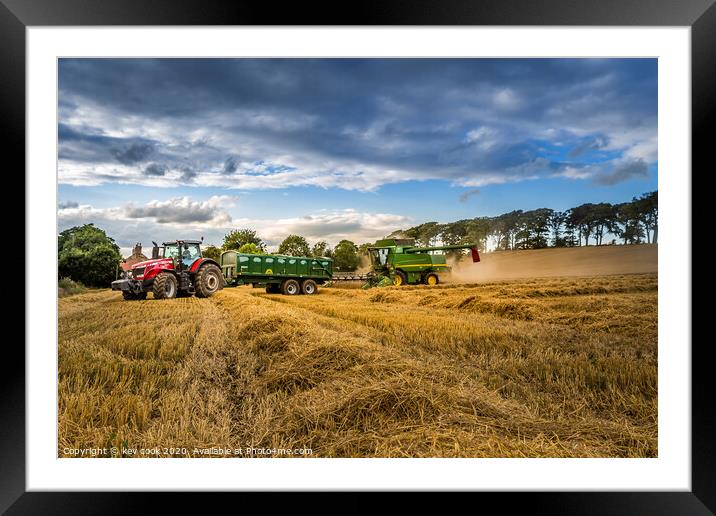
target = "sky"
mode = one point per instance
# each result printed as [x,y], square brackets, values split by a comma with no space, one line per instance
[160,149]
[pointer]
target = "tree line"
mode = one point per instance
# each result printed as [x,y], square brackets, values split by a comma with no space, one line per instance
[632,222]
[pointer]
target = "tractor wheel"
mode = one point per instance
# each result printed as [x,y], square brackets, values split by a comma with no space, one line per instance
[400,279]
[165,286]
[309,287]
[208,281]
[431,279]
[290,287]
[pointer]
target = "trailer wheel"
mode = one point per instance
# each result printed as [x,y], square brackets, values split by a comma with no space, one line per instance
[400,279]
[165,286]
[309,287]
[432,279]
[273,289]
[208,280]
[290,287]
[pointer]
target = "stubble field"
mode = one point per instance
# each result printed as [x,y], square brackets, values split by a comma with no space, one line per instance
[541,367]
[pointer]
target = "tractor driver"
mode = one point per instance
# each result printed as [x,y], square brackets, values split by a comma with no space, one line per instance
[189,254]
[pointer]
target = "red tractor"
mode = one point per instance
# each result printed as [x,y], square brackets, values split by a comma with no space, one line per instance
[177,269]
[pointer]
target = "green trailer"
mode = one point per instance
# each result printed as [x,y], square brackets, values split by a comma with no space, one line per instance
[400,262]
[277,273]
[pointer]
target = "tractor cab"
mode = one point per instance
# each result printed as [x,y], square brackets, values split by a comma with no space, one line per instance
[187,250]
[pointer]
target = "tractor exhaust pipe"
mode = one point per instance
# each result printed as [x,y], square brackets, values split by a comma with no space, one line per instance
[155,250]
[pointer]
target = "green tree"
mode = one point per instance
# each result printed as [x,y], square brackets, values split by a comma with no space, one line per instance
[627,225]
[321,249]
[212,252]
[582,219]
[294,245]
[648,207]
[250,248]
[454,233]
[556,222]
[478,231]
[345,256]
[238,237]
[86,254]
[424,234]
[534,228]
[602,216]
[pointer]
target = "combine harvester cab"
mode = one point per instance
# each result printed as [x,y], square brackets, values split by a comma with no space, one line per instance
[279,274]
[400,262]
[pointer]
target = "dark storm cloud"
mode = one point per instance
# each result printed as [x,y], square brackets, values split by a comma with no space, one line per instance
[230,165]
[623,172]
[155,169]
[188,173]
[587,145]
[134,153]
[89,144]
[456,118]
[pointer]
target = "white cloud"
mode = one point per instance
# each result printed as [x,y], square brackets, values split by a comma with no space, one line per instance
[507,99]
[185,218]
[210,213]
[575,173]
[483,137]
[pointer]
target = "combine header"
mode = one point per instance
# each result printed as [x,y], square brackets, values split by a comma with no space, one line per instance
[400,262]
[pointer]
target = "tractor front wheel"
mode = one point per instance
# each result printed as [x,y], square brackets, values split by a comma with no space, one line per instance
[165,286]
[208,281]
[290,287]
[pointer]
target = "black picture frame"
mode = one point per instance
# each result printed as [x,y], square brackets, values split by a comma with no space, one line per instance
[700,15]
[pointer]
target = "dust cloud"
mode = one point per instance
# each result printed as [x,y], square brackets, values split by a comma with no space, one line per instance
[571,261]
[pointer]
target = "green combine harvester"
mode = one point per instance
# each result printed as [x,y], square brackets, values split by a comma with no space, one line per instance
[397,261]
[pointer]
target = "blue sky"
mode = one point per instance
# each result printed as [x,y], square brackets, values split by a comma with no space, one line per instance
[345,148]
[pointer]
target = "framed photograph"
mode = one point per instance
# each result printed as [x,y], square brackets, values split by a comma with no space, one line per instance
[423,252]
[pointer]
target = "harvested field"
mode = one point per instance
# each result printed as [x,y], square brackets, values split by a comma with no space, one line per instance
[556,367]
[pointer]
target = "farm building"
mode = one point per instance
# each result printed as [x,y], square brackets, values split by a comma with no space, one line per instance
[136,257]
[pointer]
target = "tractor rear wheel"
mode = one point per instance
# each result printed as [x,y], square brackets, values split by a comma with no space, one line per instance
[165,286]
[431,279]
[400,279]
[309,287]
[208,280]
[290,287]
